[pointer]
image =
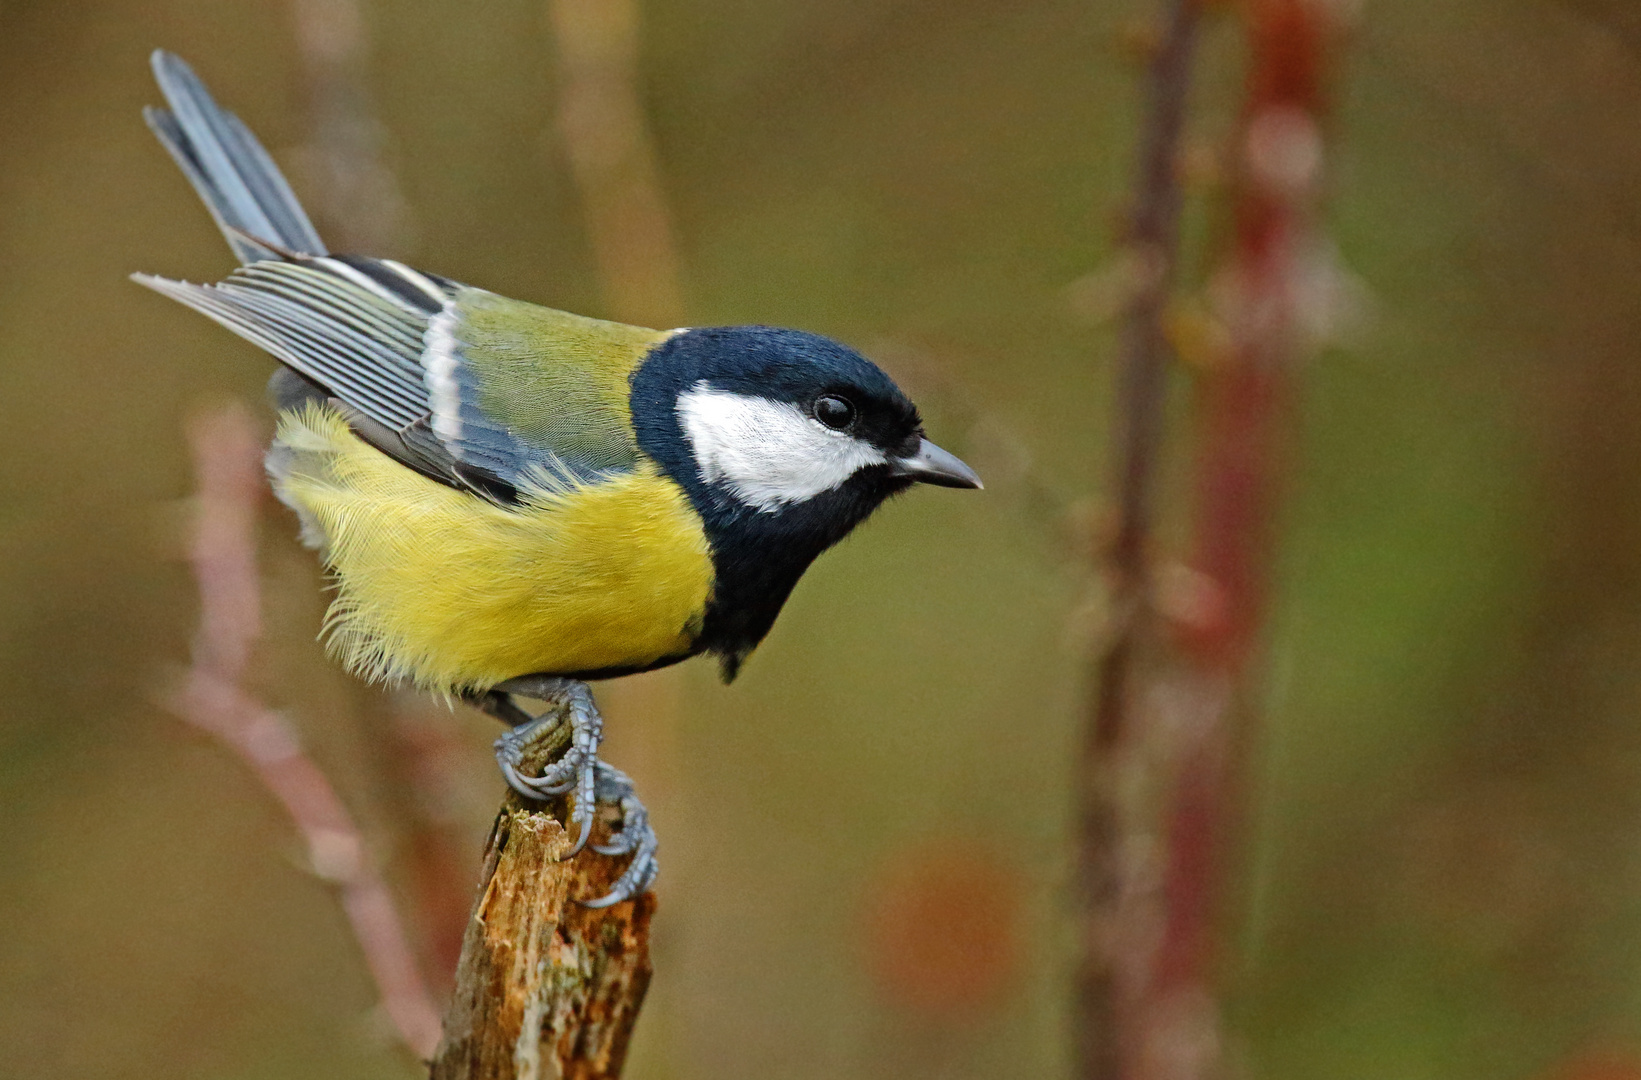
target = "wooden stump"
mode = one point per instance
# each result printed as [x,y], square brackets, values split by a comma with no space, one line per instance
[546,988]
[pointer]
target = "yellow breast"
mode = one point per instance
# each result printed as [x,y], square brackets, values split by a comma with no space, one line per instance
[452,592]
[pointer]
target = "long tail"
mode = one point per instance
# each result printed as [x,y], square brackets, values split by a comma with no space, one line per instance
[244,189]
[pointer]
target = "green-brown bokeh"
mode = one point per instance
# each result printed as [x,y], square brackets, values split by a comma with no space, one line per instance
[1444,848]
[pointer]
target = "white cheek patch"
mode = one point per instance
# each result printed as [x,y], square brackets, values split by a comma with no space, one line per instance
[767,453]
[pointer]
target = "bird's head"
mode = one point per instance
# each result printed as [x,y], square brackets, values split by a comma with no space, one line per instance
[756,421]
[784,441]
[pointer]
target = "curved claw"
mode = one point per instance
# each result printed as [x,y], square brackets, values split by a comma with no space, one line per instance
[581,841]
[549,788]
[533,787]
[578,772]
[560,772]
[634,882]
[635,837]
[609,899]
[634,831]
[519,782]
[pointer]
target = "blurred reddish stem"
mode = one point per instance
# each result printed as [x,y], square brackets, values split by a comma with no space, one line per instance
[1157,802]
[1107,884]
[228,460]
[433,795]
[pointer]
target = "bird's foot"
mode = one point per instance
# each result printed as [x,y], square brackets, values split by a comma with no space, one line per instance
[631,835]
[577,769]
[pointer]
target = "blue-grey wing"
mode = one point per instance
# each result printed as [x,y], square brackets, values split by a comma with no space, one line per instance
[358,330]
[355,329]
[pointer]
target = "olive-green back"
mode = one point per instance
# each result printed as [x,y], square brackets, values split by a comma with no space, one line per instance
[543,389]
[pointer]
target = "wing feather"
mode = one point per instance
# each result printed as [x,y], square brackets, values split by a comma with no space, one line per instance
[477,390]
[347,364]
[326,298]
[319,345]
[505,394]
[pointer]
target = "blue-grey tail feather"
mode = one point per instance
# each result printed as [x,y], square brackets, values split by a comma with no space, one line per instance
[240,183]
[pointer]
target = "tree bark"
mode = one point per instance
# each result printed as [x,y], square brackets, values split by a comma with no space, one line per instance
[546,988]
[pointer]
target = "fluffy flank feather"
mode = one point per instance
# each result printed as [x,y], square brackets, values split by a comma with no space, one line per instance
[448,591]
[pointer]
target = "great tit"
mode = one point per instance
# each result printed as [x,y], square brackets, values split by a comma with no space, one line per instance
[514,499]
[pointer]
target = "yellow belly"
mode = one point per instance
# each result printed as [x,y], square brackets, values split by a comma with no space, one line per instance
[451,592]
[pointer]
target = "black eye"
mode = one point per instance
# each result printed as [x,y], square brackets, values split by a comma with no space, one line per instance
[835,412]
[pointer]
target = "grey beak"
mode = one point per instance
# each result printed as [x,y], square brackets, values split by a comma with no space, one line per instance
[932,465]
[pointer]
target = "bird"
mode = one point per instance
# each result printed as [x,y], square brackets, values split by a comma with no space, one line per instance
[513,500]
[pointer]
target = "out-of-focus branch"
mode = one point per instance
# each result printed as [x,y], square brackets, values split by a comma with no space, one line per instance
[228,461]
[358,197]
[1264,297]
[440,782]
[1168,715]
[1108,886]
[602,126]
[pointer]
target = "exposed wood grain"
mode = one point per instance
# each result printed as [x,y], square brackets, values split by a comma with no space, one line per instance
[546,988]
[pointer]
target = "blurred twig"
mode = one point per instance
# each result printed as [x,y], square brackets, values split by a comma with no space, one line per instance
[1106,885]
[362,208]
[604,133]
[228,461]
[439,785]
[1157,804]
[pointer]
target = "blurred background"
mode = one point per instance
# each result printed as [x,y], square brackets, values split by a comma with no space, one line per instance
[865,839]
